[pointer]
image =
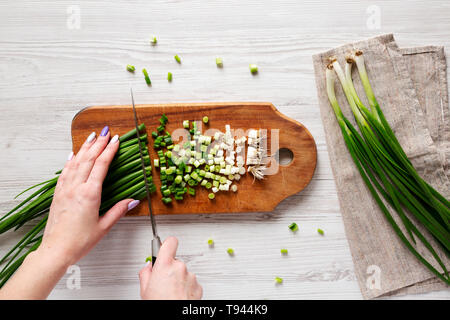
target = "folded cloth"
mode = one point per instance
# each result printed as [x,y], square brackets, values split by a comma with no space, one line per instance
[428,70]
[411,87]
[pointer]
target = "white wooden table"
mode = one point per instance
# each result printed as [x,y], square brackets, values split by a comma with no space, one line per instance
[51,67]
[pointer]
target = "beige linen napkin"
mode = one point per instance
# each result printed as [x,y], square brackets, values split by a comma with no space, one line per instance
[428,71]
[411,87]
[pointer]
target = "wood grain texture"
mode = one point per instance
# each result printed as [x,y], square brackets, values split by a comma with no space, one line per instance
[265,195]
[49,72]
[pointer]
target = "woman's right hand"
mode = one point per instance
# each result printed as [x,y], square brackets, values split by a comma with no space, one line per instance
[168,279]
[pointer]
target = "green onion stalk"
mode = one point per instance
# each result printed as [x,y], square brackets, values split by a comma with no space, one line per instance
[125,179]
[387,171]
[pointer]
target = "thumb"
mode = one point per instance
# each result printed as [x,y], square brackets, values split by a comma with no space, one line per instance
[115,213]
[144,275]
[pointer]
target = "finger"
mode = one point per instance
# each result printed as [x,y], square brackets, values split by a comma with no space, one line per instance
[192,279]
[167,251]
[198,292]
[195,290]
[144,276]
[76,159]
[63,176]
[181,269]
[115,213]
[86,145]
[86,162]
[102,163]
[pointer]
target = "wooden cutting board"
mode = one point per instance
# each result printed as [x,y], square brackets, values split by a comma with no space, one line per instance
[252,196]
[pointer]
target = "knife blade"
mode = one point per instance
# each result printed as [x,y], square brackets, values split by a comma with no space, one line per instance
[156,241]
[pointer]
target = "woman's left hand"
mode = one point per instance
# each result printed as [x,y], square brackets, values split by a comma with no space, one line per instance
[74,226]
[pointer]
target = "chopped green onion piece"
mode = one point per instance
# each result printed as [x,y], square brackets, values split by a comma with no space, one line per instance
[320,231]
[253,68]
[194,175]
[169,76]
[284,251]
[211,196]
[293,226]
[178,179]
[210,242]
[278,280]
[130,68]
[166,192]
[154,41]
[164,120]
[219,62]
[149,258]
[230,251]
[186,124]
[147,78]
[191,191]
[177,58]
[205,119]
[166,200]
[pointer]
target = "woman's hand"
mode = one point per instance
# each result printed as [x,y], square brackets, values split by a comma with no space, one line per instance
[168,279]
[73,225]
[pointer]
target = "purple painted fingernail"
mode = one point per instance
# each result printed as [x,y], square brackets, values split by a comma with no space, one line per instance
[91,137]
[70,156]
[133,204]
[114,139]
[104,131]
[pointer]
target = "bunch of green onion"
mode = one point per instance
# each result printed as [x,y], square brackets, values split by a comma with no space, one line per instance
[386,170]
[124,180]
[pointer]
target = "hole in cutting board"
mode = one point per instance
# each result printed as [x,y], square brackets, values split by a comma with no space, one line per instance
[285,156]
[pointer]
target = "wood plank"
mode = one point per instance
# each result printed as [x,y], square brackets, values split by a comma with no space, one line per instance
[253,195]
